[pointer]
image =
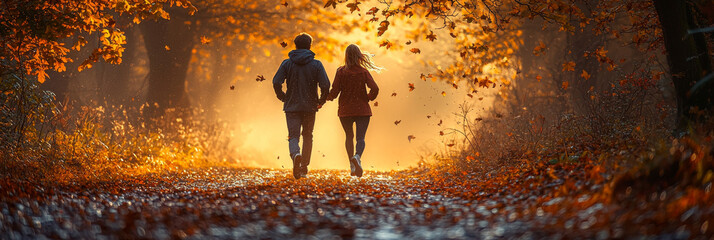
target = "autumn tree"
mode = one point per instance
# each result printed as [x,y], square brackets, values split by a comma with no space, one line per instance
[679,26]
[237,27]
[32,42]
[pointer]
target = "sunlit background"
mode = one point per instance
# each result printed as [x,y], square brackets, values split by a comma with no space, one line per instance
[260,130]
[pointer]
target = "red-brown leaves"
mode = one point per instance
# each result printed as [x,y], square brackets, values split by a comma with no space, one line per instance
[431,36]
[411,87]
[415,50]
[383,26]
[332,3]
[386,44]
[354,6]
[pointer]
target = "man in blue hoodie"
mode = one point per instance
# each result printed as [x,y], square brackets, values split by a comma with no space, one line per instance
[300,102]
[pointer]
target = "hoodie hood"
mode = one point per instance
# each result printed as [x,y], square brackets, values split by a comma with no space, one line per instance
[301,56]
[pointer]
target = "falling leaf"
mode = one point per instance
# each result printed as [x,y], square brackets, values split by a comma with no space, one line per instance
[285,3]
[569,66]
[383,26]
[440,122]
[332,3]
[441,133]
[415,50]
[410,137]
[450,144]
[409,42]
[353,6]
[233,87]
[376,104]
[470,95]
[386,44]
[167,47]
[565,85]
[478,119]
[283,44]
[205,40]
[538,77]
[372,11]
[585,75]
[397,122]
[428,116]
[431,36]
[394,94]
[260,78]
[453,35]
[411,87]
[443,93]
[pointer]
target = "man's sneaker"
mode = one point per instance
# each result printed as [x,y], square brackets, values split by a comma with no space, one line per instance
[357,164]
[297,166]
[352,168]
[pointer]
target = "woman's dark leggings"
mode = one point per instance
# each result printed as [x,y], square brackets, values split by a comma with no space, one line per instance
[347,124]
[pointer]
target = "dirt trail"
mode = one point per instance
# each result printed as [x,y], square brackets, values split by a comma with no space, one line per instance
[242,204]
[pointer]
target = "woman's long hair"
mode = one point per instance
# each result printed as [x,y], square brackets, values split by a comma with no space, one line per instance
[355,57]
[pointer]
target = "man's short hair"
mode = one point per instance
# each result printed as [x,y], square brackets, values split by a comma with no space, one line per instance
[303,41]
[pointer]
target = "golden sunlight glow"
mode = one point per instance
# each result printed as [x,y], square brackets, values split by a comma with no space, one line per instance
[260,130]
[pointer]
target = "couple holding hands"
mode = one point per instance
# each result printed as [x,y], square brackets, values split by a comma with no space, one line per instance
[304,74]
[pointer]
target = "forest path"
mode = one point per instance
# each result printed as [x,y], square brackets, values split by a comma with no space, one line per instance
[254,203]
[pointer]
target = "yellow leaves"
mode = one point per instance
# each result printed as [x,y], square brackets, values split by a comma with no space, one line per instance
[84,65]
[569,66]
[540,49]
[415,50]
[443,93]
[205,40]
[79,44]
[585,75]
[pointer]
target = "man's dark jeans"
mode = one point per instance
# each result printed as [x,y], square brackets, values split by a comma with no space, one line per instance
[296,121]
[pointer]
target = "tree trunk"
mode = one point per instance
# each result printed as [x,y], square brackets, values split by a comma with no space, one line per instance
[687,57]
[169,46]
